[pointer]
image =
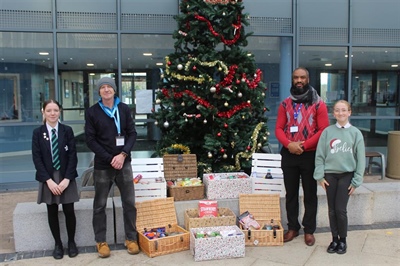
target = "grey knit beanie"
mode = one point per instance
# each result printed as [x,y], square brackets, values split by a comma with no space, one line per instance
[106,81]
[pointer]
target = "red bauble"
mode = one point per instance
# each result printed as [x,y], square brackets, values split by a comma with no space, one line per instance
[225,125]
[248,148]
[194,68]
[222,150]
[169,63]
[237,81]
[219,134]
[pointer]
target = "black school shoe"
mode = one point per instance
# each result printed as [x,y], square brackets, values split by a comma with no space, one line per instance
[332,247]
[58,252]
[341,249]
[72,249]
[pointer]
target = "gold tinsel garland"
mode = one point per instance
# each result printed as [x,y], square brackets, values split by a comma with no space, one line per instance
[222,2]
[247,154]
[223,67]
[176,147]
[199,79]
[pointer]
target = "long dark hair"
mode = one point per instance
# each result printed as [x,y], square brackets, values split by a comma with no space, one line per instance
[45,103]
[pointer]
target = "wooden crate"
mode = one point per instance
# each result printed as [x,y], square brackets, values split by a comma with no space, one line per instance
[263,207]
[182,166]
[153,184]
[225,217]
[160,213]
[261,163]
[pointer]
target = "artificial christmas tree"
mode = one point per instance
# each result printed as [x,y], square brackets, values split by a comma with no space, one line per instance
[210,100]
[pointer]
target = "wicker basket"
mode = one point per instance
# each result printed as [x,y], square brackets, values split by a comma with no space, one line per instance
[226,217]
[182,166]
[160,213]
[263,207]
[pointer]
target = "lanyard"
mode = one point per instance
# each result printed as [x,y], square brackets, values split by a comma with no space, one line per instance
[113,113]
[296,112]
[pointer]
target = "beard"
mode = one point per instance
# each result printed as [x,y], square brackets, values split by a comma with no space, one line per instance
[299,90]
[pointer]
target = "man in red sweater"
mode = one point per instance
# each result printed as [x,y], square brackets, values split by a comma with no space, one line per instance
[301,119]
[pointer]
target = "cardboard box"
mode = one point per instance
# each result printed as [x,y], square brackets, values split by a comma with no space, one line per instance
[225,187]
[263,207]
[155,214]
[226,217]
[215,248]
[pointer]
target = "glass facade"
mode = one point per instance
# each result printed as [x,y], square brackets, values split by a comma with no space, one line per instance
[60,48]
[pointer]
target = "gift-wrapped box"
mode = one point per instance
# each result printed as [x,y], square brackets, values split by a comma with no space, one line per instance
[215,248]
[226,185]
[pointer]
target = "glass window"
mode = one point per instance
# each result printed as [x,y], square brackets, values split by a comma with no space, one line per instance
[26,75]
[82,60]
[375,85]
[328,70]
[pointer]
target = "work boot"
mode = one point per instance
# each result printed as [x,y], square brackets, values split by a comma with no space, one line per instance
[103,250]
[132,247]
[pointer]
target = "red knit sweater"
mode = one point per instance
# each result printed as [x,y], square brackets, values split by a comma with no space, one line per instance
[311,121]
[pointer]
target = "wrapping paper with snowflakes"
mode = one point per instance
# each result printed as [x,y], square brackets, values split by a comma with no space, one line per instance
[216,248]
[224,187]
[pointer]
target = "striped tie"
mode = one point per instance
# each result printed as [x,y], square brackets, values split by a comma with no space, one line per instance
[54,149]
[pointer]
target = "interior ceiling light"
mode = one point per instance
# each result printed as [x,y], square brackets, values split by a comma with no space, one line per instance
[43,53]
[394,65]
[91,74]
[90,64]
[328,64]
[147,54]
[159,64]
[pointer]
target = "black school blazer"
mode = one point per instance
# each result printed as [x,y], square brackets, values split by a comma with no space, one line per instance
[41,153]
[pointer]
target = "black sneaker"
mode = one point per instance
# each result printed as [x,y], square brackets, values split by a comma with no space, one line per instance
[341,249]
[332,247]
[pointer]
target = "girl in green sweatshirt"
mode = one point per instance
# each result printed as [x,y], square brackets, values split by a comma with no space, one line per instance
[339,168]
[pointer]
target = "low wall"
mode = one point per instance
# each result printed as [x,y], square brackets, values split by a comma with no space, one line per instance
[32,231]
[370,204]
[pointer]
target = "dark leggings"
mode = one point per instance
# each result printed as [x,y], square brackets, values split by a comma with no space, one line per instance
[70,221]
[338,196]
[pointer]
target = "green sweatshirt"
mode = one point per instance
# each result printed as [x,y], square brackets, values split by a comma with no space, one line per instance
[340,150]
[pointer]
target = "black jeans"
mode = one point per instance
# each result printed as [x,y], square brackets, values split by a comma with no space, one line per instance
[338,196]
[103,180]
[296,168]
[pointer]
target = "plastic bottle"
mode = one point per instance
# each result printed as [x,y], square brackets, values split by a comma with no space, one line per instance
[269,175]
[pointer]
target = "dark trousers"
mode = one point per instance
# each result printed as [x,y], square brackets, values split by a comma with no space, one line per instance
[103,180]
[338,196]
[296,168]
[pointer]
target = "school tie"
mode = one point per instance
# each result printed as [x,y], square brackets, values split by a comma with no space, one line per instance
[54,149]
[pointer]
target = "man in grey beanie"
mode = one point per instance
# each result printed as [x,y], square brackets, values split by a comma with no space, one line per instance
[110,134]
[106,81]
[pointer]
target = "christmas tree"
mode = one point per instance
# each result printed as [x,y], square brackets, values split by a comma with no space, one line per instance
[210,100]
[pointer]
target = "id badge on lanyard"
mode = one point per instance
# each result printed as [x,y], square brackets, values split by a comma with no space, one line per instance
[119,140]
[294,129]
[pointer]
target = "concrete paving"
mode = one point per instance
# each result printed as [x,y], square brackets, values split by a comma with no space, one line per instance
[377,244]
[365,247]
